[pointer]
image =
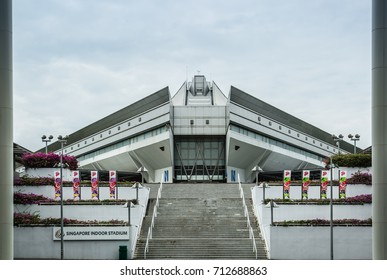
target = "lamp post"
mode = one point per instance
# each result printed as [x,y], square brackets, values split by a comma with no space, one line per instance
[256,169]
[263,186]
[337,140]
[62,141]
[44,139]
[271,205]
[354,139]
[129,205]
[331,210]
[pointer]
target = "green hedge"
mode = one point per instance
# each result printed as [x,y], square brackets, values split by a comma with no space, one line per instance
[352,160]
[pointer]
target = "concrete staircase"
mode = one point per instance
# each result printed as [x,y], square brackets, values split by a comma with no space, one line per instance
[201,221]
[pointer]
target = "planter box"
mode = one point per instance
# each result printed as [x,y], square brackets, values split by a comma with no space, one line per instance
[313,243]
[46,172]
[39,243]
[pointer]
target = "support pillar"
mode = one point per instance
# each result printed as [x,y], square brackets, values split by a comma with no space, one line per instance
[379,129]
[6,132]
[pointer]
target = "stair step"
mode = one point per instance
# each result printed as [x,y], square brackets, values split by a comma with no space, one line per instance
[201,221]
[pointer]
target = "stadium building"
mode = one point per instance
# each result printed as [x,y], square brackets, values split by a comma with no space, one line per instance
[200,135]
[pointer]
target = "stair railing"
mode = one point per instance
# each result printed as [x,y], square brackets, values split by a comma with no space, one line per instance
[246,213]
[154,215]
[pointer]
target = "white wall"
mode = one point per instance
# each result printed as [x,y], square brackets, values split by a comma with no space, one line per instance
[122,192]
[306,212]
[313,243]
[32,242]
[275,191]
[38,243]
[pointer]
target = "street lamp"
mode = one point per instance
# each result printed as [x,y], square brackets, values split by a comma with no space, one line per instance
[337,140]
[141,170]
[129,206]
[263,186]
[44,139]
[331,166]
[354,139]
[62,141]
[256,169]
[271,205]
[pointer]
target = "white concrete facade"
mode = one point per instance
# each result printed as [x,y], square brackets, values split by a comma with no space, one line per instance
[249,131]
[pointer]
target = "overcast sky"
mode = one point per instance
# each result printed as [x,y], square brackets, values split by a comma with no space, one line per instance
[77,61]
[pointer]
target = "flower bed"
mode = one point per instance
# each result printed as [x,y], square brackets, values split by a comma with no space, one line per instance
[29,220]
[49,160]
[30,198]
[320,222]
[356,200]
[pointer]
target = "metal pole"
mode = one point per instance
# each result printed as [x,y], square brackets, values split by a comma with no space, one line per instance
[331,212]
[137,192]
[6,132]
[272,212]
[130,231]
[379,130]
[263,192]
[61,205]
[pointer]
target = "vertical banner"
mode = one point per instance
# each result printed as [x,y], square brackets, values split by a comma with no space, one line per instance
[305,184]
[343,184]
[286,187]
[94,185]
[112,183]
[324,184]
[57,184]
[76,184]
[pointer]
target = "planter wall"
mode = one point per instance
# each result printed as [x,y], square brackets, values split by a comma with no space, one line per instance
[314,191]
[122,192]
[46,172]
[313,243]
[38,243]
[306,212]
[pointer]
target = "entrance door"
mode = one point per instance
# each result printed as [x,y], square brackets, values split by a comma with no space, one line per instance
[199,158]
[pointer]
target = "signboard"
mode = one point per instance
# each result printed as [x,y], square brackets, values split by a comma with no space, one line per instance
[305,183]
[286,187]
[324,184]
[57,184]
[343,184]
[113,183]
[76,184]
[94,185]
[91,233]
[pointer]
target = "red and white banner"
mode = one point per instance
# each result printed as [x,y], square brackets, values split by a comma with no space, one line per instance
[343,184]
[76,185]
[305,183]
[112,183]
[94,185]
[287,176]
[57,184]
[324,184]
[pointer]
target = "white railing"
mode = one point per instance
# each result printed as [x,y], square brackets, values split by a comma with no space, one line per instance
[154,215]
[246,212]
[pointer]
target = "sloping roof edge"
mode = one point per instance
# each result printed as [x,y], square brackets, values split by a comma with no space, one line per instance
[246,100]
[151,101]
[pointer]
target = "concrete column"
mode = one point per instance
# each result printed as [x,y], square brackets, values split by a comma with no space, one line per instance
[379,129]
[6,132]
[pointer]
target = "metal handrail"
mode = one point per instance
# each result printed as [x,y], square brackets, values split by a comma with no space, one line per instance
[154,215]
[246,211]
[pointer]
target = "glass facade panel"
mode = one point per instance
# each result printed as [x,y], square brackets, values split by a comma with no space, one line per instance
[200,158]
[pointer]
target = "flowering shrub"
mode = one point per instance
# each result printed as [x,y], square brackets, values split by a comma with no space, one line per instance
[26,219]
[359,199]
[360,178]
[42,160]
[41,181]
[320,222]
[29,198]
